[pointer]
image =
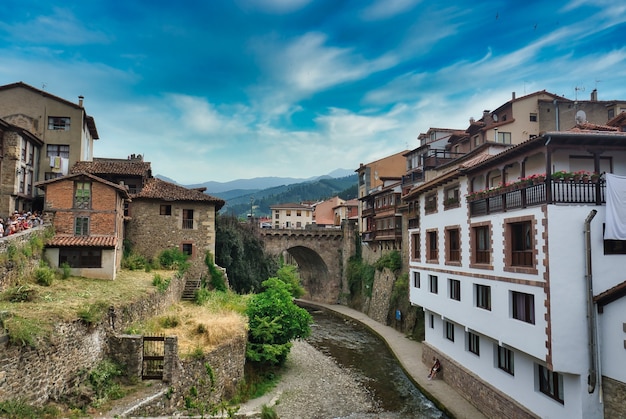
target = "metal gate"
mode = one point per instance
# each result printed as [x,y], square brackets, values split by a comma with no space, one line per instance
[153,357]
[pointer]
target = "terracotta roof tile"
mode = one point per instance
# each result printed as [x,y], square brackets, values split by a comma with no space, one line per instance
[82,241]
[113,167]
[159,189]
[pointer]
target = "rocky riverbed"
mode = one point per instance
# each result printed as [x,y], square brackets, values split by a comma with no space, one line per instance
[314,386]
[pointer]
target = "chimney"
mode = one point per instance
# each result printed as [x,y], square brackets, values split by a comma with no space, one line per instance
[80,101]
[512,95]
[485,115]
[594,95]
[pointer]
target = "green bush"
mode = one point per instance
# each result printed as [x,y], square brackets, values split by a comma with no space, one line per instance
[174,259]
[391,261]
[18,408]
[93,313]
[44,276]
[201,296]
[134,262]
[160,283]
[19,294]
[22,331]
[169,322]
[102,379]
[274,320]
[66,270]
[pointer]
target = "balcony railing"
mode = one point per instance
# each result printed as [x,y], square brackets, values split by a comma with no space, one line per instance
[505,199]
[188,224]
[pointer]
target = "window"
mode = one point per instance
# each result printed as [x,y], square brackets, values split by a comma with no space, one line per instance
[81,226]
[454,289]
[450,331]
[277,214]
[550,383]
[521,244]
[523,306]
[431,321]
[533,117]
[431,203]
[451,197]
[288,213]
[59,123]
[298,213]
[473,343]
[187,219]
[165,210]
[613,247]
[187,248]
[433,282]
[82,195]
[482,244]
[454,245]
[476,140]
[416,280]
[432,245]
[415,246]
[504,137]
[80,258]
[505,359]
[483,296]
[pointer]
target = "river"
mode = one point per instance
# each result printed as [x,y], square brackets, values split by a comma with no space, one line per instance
[354,347]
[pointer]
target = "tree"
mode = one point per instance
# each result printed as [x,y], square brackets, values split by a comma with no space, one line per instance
[240,251]
[274,321]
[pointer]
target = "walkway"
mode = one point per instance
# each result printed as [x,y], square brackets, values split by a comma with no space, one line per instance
[409,354]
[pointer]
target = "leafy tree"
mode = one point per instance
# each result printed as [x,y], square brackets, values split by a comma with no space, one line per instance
[289,275]
[240,251]
[274,321]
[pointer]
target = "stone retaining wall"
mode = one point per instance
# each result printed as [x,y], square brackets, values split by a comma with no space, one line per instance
[489,400]
[13,268]
[614,398]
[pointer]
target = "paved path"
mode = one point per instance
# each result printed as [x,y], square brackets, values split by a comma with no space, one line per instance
[409,354]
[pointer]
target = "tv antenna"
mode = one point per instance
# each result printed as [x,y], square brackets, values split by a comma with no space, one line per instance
[578,89]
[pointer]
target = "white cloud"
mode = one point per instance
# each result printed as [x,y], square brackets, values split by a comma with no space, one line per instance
[384,9]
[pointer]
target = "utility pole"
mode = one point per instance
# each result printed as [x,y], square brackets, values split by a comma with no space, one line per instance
[251,210]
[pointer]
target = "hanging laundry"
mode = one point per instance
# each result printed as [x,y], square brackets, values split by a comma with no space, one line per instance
[615,223]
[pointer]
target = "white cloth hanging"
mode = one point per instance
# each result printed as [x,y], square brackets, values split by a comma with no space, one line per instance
[615,223]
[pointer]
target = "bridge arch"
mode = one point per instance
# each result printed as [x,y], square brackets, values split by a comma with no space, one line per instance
[320,254]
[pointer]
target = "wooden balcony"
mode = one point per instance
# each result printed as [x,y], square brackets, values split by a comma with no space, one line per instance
[548,192]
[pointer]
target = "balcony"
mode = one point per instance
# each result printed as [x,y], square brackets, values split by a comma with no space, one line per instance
[546,192]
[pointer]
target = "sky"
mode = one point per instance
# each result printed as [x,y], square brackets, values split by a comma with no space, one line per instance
[218,90]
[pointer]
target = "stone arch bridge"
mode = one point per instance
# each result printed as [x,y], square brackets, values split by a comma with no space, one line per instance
[321,255]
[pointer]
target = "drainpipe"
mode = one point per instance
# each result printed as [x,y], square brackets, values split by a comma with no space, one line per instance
[591,332]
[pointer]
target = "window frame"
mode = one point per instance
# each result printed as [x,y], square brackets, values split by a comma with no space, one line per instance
[482,296]
[82,194]
[525,312]
[550,384]
[432,248]
[473,343]
[81,226]
[453,244]
[433,284]
[449,331]
[481,249]
[187,248]
[417,279]
[165,209]
[187,219]
[59,123]
[506,360]
[454,289]
[522,244]
[81,255]
[415,246]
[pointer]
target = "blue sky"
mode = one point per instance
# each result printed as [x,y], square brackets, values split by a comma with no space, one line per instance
[221,90]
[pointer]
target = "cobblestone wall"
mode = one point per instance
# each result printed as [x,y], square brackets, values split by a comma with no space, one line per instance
[489,400]
[614,398]
[200,383]
[13,268]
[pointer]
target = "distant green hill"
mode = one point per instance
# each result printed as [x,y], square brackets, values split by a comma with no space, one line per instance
[318,190]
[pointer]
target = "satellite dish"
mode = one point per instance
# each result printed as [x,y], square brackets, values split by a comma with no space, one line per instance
[581,117]
[494,117]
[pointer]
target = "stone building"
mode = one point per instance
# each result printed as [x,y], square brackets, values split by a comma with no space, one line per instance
[164,215]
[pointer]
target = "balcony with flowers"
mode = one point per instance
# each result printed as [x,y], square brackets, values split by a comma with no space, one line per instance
[562,187]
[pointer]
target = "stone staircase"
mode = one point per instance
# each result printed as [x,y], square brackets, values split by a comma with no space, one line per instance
[191,286]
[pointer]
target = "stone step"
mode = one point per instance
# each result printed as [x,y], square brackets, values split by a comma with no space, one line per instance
[191,285]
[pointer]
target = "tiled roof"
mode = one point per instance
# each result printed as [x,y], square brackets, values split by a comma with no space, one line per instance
[588,126]
[159,189]
[82,241]
[290,205]
[113,167]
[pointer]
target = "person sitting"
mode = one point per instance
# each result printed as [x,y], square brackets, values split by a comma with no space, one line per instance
[434,369]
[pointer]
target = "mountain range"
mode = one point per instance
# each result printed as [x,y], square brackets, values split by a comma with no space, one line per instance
[260,193]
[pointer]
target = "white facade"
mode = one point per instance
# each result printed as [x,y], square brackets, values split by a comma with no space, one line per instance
[555,336]
[291,216]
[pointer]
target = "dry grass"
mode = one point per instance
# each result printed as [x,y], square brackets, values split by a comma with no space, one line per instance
[199,328]
[62,300]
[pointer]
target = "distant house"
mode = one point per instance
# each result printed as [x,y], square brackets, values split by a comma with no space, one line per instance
[88,219]
[291,215]
[164,215]
[324,214]
[347,210]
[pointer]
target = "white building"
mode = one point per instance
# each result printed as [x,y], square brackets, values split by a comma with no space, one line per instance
[506,277]
[291,215]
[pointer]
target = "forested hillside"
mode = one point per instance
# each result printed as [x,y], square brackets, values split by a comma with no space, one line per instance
[319,190]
